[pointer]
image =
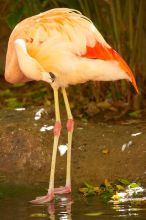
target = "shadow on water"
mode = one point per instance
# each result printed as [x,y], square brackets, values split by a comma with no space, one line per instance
[16,206]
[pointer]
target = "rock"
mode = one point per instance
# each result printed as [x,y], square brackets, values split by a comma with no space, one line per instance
[25,152]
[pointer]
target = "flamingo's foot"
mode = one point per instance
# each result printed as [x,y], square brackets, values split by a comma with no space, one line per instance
[62,190]
[44,199]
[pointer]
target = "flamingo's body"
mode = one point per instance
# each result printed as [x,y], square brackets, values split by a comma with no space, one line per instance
[62,47]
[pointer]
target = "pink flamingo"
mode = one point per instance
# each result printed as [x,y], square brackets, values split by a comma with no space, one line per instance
[61,47]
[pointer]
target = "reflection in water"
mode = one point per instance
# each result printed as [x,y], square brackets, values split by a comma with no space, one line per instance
[62,208]
[18,208]
[63,205]
[125,209]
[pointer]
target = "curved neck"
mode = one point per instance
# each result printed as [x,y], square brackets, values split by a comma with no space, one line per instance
[28,65]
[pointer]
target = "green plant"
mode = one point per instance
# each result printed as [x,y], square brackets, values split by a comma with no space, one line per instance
[108,190]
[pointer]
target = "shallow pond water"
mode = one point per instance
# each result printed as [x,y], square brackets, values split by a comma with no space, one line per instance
[14,205]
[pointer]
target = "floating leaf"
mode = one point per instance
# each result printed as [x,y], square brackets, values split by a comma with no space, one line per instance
[89,190]
[94,214]
[120,187]
[134,185]
[38,215]
[124,182]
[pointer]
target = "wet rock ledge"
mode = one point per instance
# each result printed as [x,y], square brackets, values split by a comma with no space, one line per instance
[100,150]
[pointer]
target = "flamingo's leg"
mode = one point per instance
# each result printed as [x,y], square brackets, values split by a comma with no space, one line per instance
[70,127]
[57,128]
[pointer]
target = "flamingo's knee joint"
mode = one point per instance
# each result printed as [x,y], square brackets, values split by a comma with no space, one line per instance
[70,125]
[57,128]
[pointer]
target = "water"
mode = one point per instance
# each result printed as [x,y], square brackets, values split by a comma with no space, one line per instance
[16,206]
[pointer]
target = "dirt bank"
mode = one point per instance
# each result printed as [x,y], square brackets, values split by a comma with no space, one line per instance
[25,151]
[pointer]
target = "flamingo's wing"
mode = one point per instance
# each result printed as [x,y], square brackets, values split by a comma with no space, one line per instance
[102,52]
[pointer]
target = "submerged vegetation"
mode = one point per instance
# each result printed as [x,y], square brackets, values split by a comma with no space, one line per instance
[121,22]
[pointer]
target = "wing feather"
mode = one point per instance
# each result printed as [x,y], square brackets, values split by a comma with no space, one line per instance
[102,52]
